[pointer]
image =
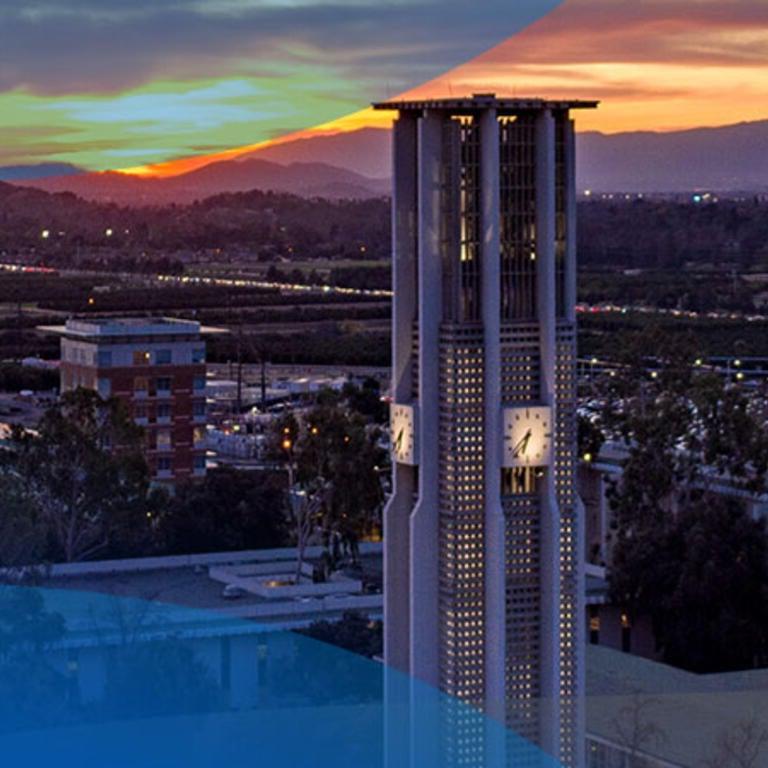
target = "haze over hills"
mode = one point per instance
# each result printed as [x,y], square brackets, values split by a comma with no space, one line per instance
[357,165]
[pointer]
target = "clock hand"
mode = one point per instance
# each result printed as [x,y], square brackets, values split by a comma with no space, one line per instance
[399,439]
[522,446]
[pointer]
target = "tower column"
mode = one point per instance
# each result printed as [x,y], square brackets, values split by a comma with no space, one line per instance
[570,227]
[400,504]
[550,515]
[423,556]
[494,536]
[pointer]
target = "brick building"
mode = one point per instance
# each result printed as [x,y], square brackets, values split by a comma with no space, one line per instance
[157,367]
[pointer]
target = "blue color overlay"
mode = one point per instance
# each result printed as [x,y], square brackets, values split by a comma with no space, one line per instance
[95,680]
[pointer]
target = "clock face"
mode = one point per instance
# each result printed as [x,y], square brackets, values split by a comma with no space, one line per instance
[527,436]
[403,433]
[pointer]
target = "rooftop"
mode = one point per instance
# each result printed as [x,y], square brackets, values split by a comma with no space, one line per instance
[481,101]
[185,581]
[98,327]
[690,713]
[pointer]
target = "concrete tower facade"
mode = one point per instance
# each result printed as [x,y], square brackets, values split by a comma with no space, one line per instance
[483,560]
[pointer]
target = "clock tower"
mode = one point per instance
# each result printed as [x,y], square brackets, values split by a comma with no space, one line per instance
[483,563]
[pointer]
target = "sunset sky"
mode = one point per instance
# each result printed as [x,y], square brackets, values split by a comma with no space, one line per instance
[125,83]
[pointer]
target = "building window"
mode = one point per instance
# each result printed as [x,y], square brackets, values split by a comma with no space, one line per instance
[104,387]
[163,384]
[198,355]
[104,358]
[594,625]
[140,411]
[140,384]
[198,408]
[198,435]
[198,383]
[140,357]
[163,411]
[164,464]
[626,633]
[199,462]
[163,439]
[163,357]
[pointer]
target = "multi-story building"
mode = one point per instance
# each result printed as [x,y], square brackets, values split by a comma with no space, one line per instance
[156,366]
[483,551]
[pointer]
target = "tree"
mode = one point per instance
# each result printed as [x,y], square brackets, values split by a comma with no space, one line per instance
[31,689]
[634,730]
[331,451]
[702,577]
[305,505]
[590,438]
[743,746]
[353,632]
[685,554]
[229,510]
[84,473]
[366,400]
[22,540]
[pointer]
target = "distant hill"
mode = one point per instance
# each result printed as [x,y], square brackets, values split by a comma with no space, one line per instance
[356,165]
[365,151]
[38,171]
[728,158]
[240,175]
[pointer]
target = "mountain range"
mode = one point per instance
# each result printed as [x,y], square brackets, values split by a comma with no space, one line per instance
[14,173]
[356,165]
[725,159]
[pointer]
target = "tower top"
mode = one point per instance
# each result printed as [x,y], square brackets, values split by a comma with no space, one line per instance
[482,101]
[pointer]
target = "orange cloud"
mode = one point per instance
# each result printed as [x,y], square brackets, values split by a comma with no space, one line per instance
[655,64]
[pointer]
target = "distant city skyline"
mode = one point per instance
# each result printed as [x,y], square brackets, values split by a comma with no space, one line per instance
[190,99]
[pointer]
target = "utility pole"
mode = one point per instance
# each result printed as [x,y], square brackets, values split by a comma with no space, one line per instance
[263,381]
[239,401]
